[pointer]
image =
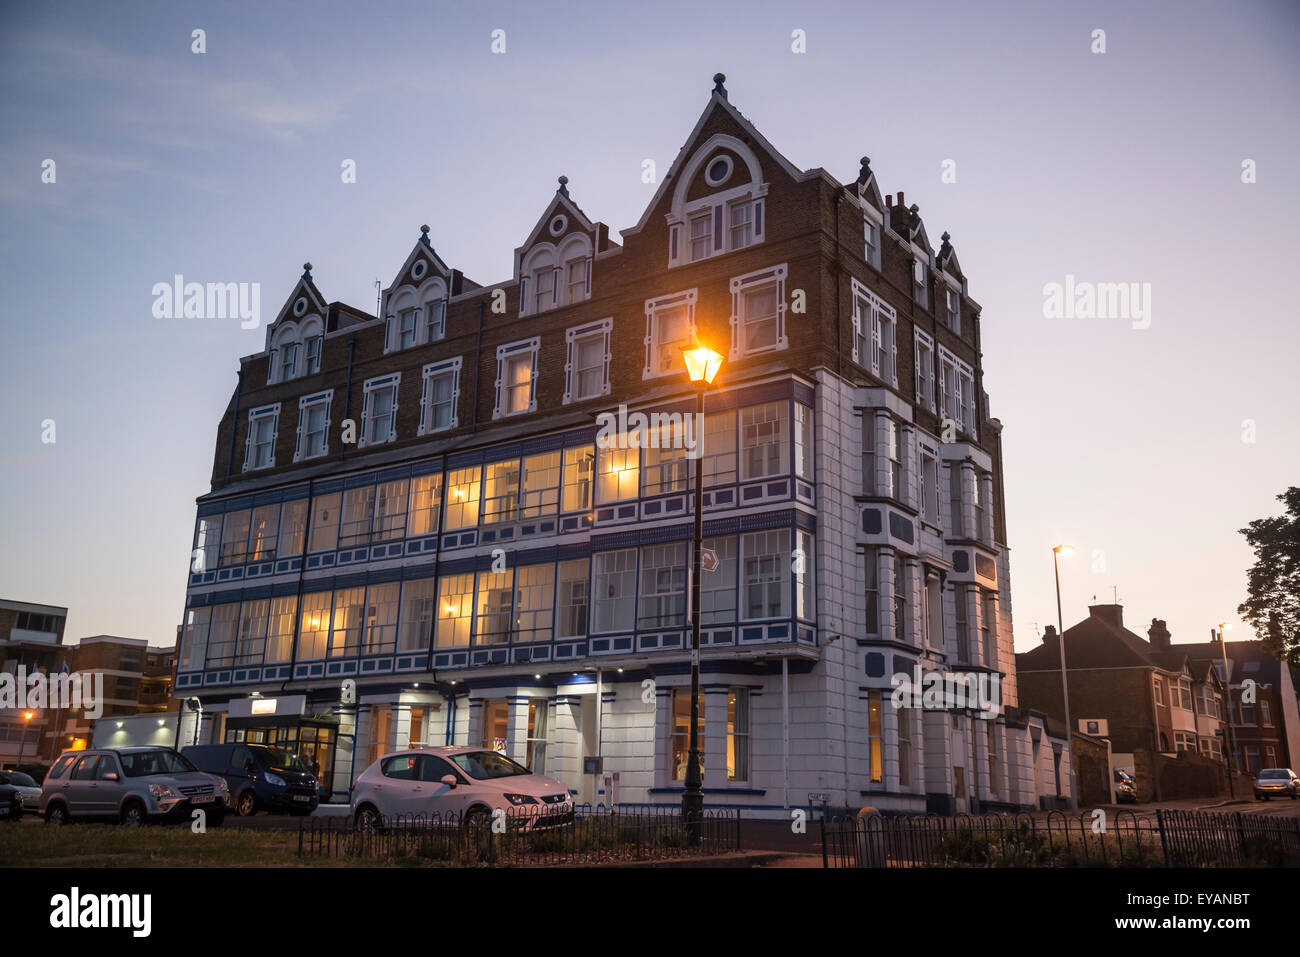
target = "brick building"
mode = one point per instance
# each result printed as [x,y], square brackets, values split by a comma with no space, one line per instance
[1154,697]
[423,504]
[137,680]
[31,639]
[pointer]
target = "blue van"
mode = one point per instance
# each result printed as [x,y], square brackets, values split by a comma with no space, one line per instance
[261,777]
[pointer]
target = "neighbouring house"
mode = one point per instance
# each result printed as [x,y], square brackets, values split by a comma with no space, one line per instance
[1155,701]
[31,642]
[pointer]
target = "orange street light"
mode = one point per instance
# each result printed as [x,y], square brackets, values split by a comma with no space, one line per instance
[702,363]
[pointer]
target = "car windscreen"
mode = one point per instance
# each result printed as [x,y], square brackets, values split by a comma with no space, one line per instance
[18,779]
[278,759]
[138,764]
[1272,774]
[485,765]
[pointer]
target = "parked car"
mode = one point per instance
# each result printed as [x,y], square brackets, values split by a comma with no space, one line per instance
[26,785]
[462,783]
[260,777]
[1276,782]
[11,803]
[130,785]
[1125,787]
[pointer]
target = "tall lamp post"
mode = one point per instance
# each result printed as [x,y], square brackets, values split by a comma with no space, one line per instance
[1227,702]
[702,364]
[1057,552]
[22,739]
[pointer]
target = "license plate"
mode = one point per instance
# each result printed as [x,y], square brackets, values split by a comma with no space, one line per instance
[302,797]
[203,799]
[4,811]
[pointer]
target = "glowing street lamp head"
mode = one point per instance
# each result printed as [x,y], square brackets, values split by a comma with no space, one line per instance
[702,363]
[1063,549]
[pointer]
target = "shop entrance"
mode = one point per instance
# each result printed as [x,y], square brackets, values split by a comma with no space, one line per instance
[314,740]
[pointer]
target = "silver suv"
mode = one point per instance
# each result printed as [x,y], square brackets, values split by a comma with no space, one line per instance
[130,785]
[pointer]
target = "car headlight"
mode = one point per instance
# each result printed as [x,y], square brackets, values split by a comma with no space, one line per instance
[222,786]
[517,799]
[274,780]
[161,791]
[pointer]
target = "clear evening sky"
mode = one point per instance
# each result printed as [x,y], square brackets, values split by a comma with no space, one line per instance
[225,167]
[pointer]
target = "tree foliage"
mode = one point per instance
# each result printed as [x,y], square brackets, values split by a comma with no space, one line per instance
[1272,605]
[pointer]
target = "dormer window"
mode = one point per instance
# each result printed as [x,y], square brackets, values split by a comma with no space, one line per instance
[435,321]
[577,280]
[288,361]
[543,289]
[313,354]
[742,224]
[406,329]
[920,282]
[702,236]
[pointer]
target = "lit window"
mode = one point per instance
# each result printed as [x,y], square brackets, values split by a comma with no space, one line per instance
[426,495]
[462,498]
[618,470]
[455,610]
[516,378]
[492,624]
[578,464]
[501,491]
[541,485]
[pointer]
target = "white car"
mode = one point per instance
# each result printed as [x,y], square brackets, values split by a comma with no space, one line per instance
[25,785]
[461,783]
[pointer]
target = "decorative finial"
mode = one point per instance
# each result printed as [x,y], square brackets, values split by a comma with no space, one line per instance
[945,237]
[424,234]
[718,80]
[864,173]
[914,209]
[306,271]
[564,186]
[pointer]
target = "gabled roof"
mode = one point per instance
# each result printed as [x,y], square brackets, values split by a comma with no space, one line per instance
[1246,659]
[1098,643]
[423,249]
[316,302]
[560,202]
[866,188]
[948,257]
[717,101]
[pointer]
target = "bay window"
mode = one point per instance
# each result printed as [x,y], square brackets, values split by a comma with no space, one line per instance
[614,590]
[419,605]
[766,561]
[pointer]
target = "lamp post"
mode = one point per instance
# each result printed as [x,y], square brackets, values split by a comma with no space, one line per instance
[702,364]
[1057,552]
[22,738]
[1227,701]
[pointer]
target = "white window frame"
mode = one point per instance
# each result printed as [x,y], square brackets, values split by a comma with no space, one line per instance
[425,321]
[271,412]
[505,354]
[653,307]
[568,285]
[872,221]
[573,337]
[313,362]
[923,350]
[742,284]
[931,510]
[868,330]
[428,373]
[718,207]
[957,391]
[952,319]
[371,386]
[921,285]
[304,403]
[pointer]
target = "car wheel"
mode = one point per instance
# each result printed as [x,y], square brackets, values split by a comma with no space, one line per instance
[367,818]
[57,815]
[133,815]
[246,804]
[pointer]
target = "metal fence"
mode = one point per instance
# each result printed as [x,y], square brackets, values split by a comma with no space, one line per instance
[523,837]
[1120,839]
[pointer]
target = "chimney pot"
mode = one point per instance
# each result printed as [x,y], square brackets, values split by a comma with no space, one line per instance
[900,199]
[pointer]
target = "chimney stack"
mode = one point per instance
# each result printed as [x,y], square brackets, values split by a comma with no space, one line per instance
[1112,615]
[900,199]
[1049,634]
[1158,634]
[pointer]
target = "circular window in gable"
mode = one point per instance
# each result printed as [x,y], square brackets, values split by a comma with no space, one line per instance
[300,306]
[419,269]
[559,224]
[718,171]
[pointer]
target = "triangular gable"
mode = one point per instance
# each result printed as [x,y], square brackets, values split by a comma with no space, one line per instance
[422,251]
[866,188]
[948,258]
[305,289]
[575,221]
[717,101]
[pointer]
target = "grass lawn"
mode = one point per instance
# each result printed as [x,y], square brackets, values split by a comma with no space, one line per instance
[32,844]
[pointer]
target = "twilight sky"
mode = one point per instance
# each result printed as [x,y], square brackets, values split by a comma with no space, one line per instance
[225,167]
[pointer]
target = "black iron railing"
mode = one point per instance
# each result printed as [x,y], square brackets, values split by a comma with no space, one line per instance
[1115,839]
[522,836]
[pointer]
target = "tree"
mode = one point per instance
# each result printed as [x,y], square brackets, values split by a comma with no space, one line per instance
[1273,582]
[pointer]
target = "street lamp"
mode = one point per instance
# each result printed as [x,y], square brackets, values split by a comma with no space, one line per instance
[702,364]
[22,738]
[1057,552]
[1227,701]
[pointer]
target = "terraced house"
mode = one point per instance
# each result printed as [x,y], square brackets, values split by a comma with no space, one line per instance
[413,535]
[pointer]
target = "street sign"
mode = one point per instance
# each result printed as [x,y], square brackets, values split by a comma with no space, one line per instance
[708,559]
